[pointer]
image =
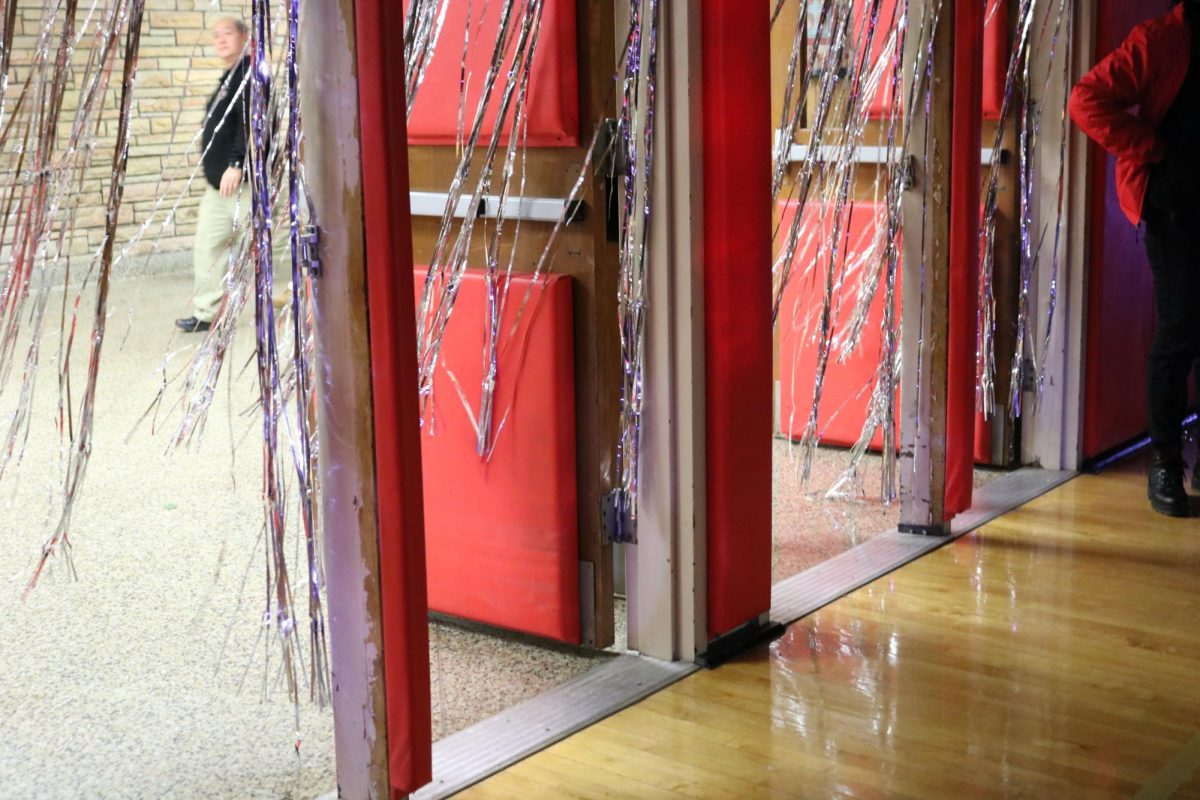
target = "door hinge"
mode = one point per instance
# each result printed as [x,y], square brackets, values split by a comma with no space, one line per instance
[616,518]
[310,238]
[1028,375]
[910,172]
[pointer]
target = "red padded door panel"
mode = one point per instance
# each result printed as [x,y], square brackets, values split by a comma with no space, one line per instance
[846,392]
[502,536]
[995,55]
[735,45]
[406,727]
[553,102]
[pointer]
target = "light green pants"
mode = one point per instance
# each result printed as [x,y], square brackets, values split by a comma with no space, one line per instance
[213,245]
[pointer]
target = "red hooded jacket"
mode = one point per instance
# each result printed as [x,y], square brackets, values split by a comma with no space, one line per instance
[1123,100]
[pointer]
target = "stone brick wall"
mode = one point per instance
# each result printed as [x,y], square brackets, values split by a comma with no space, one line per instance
[176,74]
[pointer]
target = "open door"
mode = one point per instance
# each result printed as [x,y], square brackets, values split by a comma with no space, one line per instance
[537,560]
[846,392]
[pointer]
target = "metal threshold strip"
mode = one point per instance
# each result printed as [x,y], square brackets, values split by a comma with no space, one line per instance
[471,755]
[800,595]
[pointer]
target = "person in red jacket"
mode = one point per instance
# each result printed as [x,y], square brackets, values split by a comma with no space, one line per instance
[1142,104]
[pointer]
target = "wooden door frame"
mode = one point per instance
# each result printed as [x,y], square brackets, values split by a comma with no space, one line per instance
[666,571]
[925,282]
[1052,431]
[367,413]
[699,576]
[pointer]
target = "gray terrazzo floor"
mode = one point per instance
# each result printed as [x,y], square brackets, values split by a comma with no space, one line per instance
[514,668]
[144,677]
[809,527]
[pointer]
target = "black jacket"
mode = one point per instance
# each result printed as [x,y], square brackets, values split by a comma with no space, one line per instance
[225,129]
[1174,189]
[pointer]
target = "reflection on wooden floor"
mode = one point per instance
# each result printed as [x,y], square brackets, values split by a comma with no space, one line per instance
[1055,654]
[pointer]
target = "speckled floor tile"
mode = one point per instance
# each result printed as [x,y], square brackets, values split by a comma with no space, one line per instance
[144,678]
[478,672]
[809,527]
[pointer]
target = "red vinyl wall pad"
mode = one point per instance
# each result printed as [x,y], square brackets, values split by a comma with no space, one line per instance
[846,392]
[995,54]
[553,102]
[848,385]
[394,387]
[736,75]
[502,534]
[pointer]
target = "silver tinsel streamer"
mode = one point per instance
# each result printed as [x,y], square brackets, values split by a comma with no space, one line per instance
[635,137]
[49,150]
[49,145]
[284,372]
[422,28]
[284,345]
[300,387]
[512,56]
[854,51]
[518,29]
[1056,36]
[282,613]
[985,345]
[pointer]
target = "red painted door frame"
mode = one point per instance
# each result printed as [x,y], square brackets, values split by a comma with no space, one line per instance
[388,225]
[736,97]
[966,139]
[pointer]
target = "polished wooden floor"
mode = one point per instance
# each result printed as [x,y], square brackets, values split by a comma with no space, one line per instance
[1055,654]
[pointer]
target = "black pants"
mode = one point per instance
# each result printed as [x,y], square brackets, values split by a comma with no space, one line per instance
[1173,246]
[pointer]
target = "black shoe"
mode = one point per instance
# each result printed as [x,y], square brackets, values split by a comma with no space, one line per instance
[1165,490]
[192,325]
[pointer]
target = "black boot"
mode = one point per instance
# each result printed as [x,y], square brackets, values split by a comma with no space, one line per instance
[1166,492]
[192,325]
